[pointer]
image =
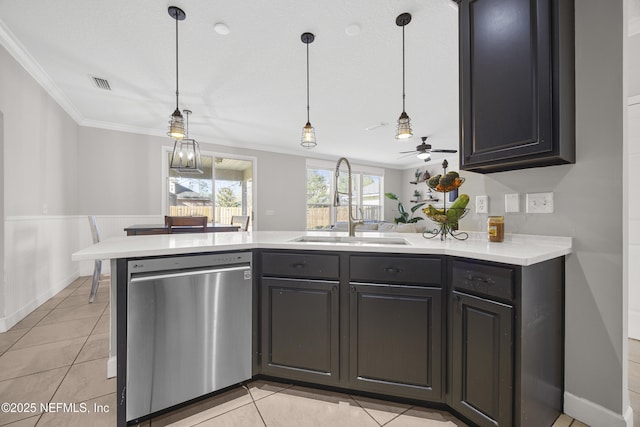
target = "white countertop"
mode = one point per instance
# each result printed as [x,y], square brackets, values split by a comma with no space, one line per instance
[517,249]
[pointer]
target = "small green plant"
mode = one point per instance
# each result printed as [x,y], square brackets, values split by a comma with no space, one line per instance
[405,217]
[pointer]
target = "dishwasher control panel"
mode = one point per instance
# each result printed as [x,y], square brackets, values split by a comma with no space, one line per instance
[146,265]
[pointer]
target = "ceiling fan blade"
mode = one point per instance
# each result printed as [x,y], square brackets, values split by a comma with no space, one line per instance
[405,152]
[444,151]
[406,155]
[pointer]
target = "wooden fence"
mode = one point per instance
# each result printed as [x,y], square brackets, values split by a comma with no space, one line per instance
[221,214]
[320,217]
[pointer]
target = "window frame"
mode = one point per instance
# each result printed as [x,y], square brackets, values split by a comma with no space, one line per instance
[356,169]
[166,151]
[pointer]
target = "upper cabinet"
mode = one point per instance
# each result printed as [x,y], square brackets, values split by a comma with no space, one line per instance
[516,84]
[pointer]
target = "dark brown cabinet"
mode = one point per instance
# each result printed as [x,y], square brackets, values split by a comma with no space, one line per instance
[300,330]
[516,84]
[300,316]
[482,337]
[396,341]
[506,342]
[482,360]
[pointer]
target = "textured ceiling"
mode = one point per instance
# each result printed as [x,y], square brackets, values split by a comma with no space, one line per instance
[248,88]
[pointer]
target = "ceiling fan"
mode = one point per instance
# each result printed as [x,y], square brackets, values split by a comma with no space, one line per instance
[424,150]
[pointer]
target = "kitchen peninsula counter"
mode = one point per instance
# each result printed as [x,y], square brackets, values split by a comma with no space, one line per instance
[517,249]
[339,291]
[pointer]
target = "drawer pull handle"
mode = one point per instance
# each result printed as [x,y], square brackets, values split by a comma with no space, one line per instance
[470,279]
[299,265]
[392,270]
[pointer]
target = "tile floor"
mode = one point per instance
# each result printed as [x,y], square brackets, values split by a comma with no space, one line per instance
[58,354]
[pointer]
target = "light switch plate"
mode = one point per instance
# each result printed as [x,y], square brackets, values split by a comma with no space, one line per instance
[539,202]
[482,204]
[512,202]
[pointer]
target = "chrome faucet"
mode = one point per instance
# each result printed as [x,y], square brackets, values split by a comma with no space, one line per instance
[353,222]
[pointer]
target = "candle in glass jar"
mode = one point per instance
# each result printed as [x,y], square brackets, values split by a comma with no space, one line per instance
[495,228]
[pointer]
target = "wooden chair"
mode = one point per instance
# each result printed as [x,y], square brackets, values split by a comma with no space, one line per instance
[242,221]
[198,223]
[97,268]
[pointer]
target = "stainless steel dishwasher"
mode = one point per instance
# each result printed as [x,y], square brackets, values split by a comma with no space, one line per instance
[188,328]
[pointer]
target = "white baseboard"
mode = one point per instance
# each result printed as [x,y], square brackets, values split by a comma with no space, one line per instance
[112,367]
[11,320]
[595,415]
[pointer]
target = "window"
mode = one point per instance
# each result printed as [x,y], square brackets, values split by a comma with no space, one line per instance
[224,189]
[367,194]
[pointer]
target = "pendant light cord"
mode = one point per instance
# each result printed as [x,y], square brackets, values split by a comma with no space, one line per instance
[176,61]
[403,95]
[307,82]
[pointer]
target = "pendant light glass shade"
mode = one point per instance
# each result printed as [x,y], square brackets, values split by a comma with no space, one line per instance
[176,124]
[308,132]
[308,136]
[404,127]
[186,153]
[404,122]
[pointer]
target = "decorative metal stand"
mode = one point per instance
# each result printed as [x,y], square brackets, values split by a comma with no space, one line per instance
[445,228]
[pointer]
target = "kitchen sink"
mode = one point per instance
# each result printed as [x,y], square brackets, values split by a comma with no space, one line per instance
[357,240]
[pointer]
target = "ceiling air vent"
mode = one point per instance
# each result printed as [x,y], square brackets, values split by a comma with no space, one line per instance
[101,83]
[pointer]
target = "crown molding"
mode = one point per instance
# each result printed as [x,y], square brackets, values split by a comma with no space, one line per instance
[24,58]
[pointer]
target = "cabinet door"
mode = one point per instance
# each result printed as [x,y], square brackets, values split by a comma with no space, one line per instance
[395,340]
[515,88]
[300,329]
[482,360]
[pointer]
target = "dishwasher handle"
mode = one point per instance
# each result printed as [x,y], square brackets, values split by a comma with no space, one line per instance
[182,273]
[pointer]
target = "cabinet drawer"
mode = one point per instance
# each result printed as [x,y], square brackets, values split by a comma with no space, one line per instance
[300,265]
[486,280]
[402,270]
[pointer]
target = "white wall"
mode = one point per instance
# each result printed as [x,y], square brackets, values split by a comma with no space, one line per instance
[2,216]
[40,157]
[588,207]
[633,167]
[633,255]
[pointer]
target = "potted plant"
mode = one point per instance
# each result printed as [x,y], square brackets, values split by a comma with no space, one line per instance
[405,217]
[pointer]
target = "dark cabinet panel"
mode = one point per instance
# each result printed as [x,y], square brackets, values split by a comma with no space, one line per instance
[516,84]
[302,265]
[396,269]
[483,280]
[396,340]
[300,329]
[506,342]
[482,360]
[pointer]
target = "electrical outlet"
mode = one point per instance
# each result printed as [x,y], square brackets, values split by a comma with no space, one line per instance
[512,202]
[482,204]
[540,203]
[270,212]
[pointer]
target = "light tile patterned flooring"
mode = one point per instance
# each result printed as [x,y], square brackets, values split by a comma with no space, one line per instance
[58,354]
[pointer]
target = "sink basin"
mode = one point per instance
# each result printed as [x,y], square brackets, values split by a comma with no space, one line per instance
[352,240]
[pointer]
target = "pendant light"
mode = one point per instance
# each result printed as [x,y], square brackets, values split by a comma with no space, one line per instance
[176,125]
[186,153]
[308,132]
[404,122]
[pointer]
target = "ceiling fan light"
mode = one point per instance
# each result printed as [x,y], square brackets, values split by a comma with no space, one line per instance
[404,127]
[308,136]
[424,155]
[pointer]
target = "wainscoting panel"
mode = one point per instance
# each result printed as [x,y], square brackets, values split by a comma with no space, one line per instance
[38,257]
